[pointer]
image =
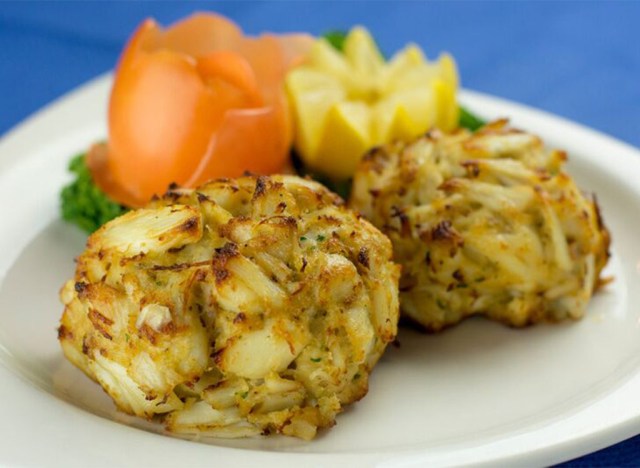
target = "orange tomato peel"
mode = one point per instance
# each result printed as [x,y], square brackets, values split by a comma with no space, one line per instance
[196,101]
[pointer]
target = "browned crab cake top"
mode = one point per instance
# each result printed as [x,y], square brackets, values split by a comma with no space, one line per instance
[484,223]
[241,307]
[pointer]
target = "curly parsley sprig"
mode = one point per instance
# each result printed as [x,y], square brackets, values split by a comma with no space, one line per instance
[82,203]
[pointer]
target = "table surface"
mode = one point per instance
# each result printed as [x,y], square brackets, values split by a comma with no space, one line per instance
[578,60]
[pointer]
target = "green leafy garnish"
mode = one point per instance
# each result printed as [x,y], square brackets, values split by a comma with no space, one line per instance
[316,359]
[83,203]
[336,38]
[469,121]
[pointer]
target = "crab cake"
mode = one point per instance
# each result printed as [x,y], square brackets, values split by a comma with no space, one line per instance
[242,307]
[484,223]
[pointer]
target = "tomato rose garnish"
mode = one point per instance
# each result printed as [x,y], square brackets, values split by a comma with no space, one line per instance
[196,101]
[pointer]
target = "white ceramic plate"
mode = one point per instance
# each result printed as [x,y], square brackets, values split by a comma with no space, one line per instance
[479,393]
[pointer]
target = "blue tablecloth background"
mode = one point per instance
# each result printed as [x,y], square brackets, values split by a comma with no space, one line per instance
[580,60]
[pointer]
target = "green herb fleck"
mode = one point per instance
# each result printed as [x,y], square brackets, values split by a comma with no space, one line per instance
[83,203]
[244,395]
[127,337]
[357,376]
[302,239]
[317,359]
[320,238]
